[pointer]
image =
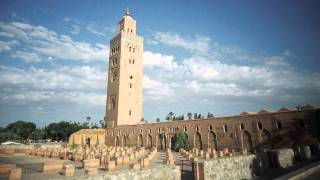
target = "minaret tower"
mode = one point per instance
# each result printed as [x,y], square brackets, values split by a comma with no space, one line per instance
[124,96]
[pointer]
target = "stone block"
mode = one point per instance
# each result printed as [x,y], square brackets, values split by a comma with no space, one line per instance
[145,162]
[55,166]
[91,163]
[207,156]
[282,157]
[221,153]
[91,171]
[201,153]
[131,156]
[244,151]
[125,160]
[15,174]
[305,152]
[5,168]
[110,166]
[135,165]
[68,170]
[119,161]
[189,157]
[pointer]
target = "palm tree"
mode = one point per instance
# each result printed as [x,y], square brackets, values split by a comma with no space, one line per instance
[88,119]
[170,116]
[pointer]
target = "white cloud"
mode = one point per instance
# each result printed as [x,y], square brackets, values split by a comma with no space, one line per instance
[80,84]
[159,61]
[6,46]
[49,43]
[29,57]
[200,77]
[93,30]
[75,29]
[198,43]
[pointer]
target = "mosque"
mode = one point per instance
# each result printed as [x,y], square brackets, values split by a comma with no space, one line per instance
[252,131]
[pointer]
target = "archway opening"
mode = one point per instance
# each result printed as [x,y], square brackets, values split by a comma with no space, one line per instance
[140,140]
[149,141]
[213,141]
[247,141]
[266,142]
[197,141]
[117,142]
[124,141]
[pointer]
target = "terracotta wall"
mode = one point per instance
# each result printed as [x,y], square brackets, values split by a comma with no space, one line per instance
[219,132]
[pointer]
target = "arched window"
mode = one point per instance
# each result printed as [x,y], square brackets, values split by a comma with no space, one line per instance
[185,129]
[225,128]
[131,77]
[279,125]
[302,124]
[113,103]
[210,128]
[132,61]
[149,130]
[130,85]
[130,49]
[259,126]
[241,126]
[130,112]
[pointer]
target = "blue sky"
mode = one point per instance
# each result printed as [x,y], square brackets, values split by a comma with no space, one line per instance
[223,57]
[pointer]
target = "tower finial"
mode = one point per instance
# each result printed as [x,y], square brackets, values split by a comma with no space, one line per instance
[127,12]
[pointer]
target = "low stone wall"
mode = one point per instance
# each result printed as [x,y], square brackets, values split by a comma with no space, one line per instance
[168,172]
[17,149]
[236,167]
[282,157]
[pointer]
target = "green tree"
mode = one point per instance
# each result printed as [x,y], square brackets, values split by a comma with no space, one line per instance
[158,120]
[209,115]
[195,116]
[189,115]
[38,134]
[21,128]
[170,116]
[180,141]
[102,124]
[182,117]
[62,130]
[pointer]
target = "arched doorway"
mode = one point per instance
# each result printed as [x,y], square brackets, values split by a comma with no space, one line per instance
[197,141]
[149,141]
[88,141]
[117,142]
[266,142]
[213,141]
[247,141]
[140,140]
[124,140]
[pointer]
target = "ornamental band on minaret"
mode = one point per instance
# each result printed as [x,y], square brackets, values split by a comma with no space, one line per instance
[124,93]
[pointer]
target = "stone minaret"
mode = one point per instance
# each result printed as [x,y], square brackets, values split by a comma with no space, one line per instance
[124,96]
